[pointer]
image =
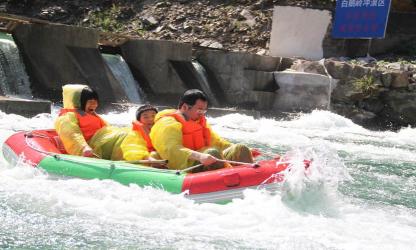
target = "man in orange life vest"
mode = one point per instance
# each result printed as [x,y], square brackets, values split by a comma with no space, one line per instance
[184,138]
[137,144]
[78,122]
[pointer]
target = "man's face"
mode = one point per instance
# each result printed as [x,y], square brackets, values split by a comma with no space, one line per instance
[197,110]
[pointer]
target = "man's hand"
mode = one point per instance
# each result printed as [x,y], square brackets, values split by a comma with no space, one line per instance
[156,165]
[87,152]
[207,159]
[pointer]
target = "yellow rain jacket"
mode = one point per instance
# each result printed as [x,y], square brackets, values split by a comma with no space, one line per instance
[134,147]
[105,142]
[67,127]
[166,137]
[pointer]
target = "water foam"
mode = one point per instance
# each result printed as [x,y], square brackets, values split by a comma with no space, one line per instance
[324,209]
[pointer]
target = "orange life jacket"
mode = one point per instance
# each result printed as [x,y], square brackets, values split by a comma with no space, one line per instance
[138,126]
[88,123]
[195,134]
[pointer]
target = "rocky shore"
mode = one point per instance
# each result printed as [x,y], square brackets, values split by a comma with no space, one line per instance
[374,93]
[237,25]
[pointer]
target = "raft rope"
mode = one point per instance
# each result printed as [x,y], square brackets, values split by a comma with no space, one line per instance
[58,157]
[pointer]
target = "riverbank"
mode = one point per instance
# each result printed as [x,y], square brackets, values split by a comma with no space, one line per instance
[375,92]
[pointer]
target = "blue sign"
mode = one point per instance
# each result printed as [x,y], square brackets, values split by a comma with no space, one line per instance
[361,18]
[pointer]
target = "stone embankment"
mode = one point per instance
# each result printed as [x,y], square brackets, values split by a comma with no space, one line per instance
[369,92]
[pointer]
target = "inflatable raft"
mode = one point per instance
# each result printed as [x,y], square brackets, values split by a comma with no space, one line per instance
[40,148]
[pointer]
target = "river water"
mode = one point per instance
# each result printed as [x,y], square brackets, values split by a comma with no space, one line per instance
[361,194]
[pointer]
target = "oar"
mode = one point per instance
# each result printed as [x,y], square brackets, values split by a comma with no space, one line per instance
[163,162]
[178,172]
[255,164]
[148,162]
[235,162]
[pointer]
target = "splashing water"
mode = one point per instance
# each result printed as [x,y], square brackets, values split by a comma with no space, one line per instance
[13,78]
[122,73]
[358,190]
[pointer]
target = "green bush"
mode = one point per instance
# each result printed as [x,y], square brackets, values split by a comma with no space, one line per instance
[106,20]
[365,85]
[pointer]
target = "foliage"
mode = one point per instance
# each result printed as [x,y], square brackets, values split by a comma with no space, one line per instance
[107,19]
[365,85]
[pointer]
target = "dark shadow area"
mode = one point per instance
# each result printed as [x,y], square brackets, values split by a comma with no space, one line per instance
[215,85]
[142,80]
[186,72]
[110,50]
[89,61]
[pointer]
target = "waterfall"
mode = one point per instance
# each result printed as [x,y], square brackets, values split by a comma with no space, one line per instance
[13,78]
[122,73]
[202,77]
[330,88]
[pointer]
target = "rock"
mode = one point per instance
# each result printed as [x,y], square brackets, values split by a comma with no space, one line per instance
[395,66]
[308,67]
[362,116]
[180,18]
[159,29]
[359,71]
[211,44]
[187,28]
[374,105]
[53,13]
[412,87]
[149,22]
[357,115]
[344,92]
[302,91]
[262,4]
[172,27]
[386,79]
[338,70]
[401,107]
[250,20]
[126,13]
[262,52]
[216,45]
[163,4]
[399,80]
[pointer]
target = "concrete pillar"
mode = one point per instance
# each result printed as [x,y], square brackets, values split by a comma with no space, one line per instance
[56,55]
[153,65]
[244,80]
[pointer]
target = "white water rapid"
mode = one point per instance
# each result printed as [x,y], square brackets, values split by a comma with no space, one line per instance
[360,194]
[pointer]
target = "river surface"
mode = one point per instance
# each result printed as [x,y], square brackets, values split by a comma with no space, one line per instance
[360,194]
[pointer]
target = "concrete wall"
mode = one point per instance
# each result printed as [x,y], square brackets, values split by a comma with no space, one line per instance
[28,108]
[244,80]
[153,65]
[301,91]
[55,55]
[298,32]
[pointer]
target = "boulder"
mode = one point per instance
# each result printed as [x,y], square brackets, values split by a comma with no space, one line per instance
[400,107]
[338,70]
[400,79]
[299,91]
[308,67]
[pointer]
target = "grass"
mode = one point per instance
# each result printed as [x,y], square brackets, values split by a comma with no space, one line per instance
[106,19]
[365,85]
